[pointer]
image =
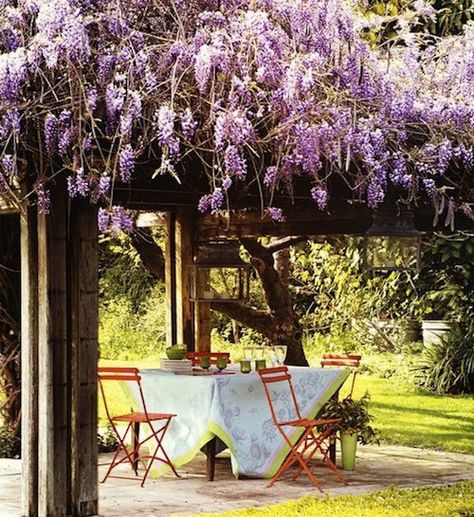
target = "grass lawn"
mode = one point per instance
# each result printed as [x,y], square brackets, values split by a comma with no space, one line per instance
[456,500]
[403,415]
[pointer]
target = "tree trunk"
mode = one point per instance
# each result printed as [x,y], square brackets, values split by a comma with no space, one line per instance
[279,322]
[10,379]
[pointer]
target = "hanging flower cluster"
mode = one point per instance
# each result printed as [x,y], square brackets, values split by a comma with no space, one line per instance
[254,91]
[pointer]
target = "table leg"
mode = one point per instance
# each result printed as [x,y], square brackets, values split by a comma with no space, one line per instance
[332,447]
[136,438]
[211,458]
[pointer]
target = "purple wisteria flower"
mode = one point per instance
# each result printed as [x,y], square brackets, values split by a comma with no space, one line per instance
[165,119]
[320,197]
[276,214]
[51,124]
[235,164]
[188,124]
[105,183]
[43,198]
[126,163]
[78,185]
[8,165]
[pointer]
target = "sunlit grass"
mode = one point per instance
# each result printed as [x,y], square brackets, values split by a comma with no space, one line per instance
[457,500]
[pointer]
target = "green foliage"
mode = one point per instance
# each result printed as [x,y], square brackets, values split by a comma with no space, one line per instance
[451,501]
[448,366]
[354,416]
[128,332]
[335,296]
[9,444]
[121,272]
[106,440]
[446,281]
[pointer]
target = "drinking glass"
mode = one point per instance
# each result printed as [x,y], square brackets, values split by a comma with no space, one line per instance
[205,362]
[245,366]
[280,352]
[221,363]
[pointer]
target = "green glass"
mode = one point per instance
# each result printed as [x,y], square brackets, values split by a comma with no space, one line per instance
[205,362]
[245,367]
[221,363]
[260,363]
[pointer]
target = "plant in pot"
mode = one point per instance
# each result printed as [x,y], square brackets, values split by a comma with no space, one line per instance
[354,426]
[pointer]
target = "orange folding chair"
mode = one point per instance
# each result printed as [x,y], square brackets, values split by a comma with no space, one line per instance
[311,440]
[346,360]
[195,357]
[133,421]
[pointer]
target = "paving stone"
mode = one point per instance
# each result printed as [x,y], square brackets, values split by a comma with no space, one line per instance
[377,468]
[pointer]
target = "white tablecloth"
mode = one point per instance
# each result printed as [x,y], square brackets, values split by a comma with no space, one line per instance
[234,408]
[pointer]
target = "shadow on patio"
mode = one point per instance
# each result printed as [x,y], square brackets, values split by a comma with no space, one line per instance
[378,467]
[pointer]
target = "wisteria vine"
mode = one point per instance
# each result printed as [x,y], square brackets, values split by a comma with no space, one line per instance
[256,92]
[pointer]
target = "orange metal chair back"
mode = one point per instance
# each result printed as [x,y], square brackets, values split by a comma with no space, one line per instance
[346,360]
[157,424]
[195,357]
[310,441]
[119,374]
[278,374]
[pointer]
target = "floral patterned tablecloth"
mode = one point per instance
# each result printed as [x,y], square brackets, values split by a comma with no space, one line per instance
[234,408]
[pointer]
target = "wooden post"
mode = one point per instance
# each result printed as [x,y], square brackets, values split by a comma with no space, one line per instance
[184,256]
[84,357]
[170,278]
[54,374]
[67,359]
[29,362]
[202,316]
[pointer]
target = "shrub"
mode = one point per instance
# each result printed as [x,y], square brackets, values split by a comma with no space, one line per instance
[448,366]
[128,334]
[106,440]
[9,444]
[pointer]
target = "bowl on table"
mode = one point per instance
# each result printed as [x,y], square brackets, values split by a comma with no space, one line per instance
[176,352]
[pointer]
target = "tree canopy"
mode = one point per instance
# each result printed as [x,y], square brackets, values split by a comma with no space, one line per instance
[248,93]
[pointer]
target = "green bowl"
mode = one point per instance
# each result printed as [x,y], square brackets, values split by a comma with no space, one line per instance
[176,352]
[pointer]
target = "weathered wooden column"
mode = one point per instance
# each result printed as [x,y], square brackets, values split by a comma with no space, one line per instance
[170,278]
[62,321]
[183,258]
[54,361]
[29,362]
[83,247]
[202,317]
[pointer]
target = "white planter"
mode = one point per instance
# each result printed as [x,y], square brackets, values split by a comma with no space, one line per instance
[433,330]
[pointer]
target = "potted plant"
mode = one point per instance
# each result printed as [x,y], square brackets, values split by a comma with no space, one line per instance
[354,426]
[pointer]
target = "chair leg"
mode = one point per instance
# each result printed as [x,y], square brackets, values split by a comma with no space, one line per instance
[158,435]
[293,457]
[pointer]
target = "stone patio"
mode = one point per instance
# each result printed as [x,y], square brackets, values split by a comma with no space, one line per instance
[378,467]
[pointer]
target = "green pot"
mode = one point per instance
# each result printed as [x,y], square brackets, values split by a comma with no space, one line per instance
[348,450]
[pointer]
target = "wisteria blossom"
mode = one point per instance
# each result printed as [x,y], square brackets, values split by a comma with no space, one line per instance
[266,94]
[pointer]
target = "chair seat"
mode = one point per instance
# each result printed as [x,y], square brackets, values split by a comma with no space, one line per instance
[305,422]
[142,417]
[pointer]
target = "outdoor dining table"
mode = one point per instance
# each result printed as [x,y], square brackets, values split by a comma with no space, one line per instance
[231,406]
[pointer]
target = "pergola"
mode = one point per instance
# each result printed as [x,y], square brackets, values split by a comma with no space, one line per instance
[59,310]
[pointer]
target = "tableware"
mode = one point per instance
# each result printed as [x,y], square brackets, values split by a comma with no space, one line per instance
[245,366]
[280,352]
[260,363]
[176,352]
[205,362]
[221,363]
[174,365]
